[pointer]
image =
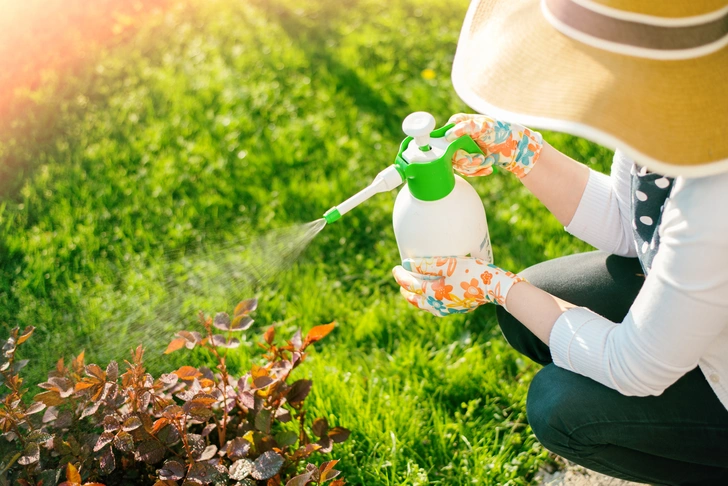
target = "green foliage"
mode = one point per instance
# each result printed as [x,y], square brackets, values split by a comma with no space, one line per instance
[197,426]
[220,120]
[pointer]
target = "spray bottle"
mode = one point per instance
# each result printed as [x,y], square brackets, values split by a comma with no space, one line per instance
[437,213]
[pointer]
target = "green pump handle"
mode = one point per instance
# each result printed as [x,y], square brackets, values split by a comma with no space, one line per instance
[430,181]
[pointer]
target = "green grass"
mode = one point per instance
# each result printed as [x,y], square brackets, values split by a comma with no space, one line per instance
[220,121]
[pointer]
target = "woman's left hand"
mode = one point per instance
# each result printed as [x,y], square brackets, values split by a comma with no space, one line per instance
[452,285]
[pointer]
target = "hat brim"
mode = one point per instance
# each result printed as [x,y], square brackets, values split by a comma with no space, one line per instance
[670,116]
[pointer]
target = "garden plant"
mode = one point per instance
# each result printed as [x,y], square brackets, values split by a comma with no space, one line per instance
[191,425]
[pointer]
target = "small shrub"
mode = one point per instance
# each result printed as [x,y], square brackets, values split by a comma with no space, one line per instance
[193,425]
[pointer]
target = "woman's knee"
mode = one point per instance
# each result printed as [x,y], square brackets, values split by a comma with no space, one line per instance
[555,411]
[545,406]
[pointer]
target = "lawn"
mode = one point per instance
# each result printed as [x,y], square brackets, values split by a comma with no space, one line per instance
[161,176]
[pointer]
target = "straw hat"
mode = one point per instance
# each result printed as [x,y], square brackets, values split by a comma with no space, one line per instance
[647,76]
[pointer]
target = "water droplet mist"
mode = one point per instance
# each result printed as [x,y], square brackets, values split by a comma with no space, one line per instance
[208,278]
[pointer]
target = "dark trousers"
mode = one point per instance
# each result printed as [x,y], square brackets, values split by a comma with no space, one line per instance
[679,437]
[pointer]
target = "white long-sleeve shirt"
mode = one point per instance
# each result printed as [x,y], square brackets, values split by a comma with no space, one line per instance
[680,317]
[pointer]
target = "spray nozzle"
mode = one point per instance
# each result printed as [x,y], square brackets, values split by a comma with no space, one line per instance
[332,215]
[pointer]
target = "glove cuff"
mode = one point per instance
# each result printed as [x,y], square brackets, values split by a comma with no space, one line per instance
[499,283]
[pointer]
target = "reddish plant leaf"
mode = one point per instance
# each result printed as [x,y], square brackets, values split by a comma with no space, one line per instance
[103,440]
[77,364]
[64,419]
[191,338]
[27,332]
[158,424]
[203,472]
[262,382]
[107,461]
[49,398]
[320,427]
[90,410]
[138,354]
[296,340]
[84,385]
[50,414]
[246,307]
[112,371]
[124,441]
[63,386]
[269,335]
[150,451]
[172,470]
[311,468]
[283,415]
[208,428]
[218,341]
[247,399]
[326,444]
[300,480]
[168,435]
[197,444]
[326,468]
[241,323]
[202,400]
[241,469]
[238,448]
[39,436]
[96,372]
[35,408]
[110,423]
[319,332]
[267,465]
[72,475]
[131,423]
[173,411]
[200,414]
[305,451]
[222,321]
[31,454]
[208,453]
[299,391]
[176,344]
[338,482]
[339,434]
[188,373]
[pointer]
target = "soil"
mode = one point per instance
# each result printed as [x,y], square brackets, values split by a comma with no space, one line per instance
[573,475]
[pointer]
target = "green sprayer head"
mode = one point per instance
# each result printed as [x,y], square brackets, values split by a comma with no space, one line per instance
[332,215]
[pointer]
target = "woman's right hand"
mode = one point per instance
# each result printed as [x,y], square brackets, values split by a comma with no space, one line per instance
[506,145]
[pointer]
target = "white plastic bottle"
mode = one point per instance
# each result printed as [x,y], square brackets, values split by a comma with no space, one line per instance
[437,213]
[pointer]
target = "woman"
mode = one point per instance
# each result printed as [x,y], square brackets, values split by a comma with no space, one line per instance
[634,337]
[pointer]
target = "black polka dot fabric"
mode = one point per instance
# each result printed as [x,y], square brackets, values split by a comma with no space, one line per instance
[649,193]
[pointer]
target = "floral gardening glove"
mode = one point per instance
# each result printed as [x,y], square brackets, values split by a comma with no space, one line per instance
[444,286]
[506,145]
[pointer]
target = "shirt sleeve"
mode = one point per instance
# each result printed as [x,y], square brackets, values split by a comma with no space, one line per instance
[681,309]
[603,216]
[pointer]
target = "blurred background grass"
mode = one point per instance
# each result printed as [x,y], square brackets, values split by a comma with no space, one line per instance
[194,127]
